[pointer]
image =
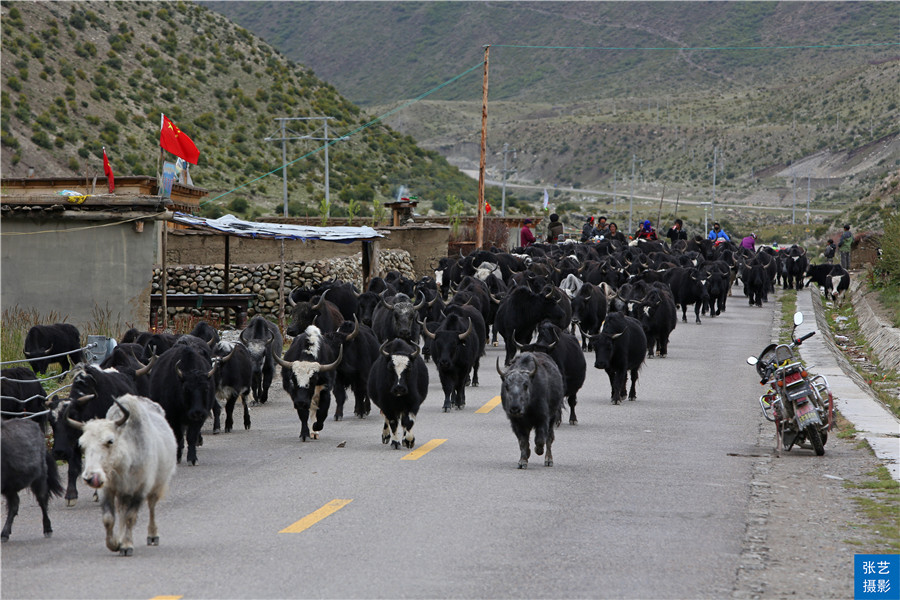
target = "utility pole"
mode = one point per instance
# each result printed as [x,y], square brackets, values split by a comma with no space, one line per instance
[615,181]
[284,138]
[631,205]
[715,168]
[794,208]
[506,171]
[807,197]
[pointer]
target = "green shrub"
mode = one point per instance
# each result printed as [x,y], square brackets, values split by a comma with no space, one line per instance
[42,139]
[239,205]
[14,83]
[889,266]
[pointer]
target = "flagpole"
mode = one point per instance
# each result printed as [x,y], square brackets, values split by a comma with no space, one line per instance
[479,217]
[159,158]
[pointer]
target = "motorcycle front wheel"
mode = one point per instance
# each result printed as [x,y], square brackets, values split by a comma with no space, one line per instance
[815,438]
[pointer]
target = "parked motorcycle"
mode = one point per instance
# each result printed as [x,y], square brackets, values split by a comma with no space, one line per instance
[799,403]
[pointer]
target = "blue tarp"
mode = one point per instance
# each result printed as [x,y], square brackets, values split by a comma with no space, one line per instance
[231,225]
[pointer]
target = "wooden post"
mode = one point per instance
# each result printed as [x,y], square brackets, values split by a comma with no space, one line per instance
[164,276]
[281,291]
[228,277]
[479,217]
[369,261]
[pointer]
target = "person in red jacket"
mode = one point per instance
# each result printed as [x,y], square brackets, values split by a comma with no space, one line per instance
[525,235]
[646,232]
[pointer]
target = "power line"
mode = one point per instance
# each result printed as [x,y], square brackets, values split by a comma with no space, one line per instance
[814,46]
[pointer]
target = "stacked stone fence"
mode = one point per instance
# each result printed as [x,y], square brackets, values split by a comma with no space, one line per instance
[265,279]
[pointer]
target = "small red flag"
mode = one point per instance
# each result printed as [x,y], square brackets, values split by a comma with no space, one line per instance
[109,173]
[487,207]
[177,142]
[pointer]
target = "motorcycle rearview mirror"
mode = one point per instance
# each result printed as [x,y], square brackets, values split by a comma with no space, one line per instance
[751,360]
[798,318]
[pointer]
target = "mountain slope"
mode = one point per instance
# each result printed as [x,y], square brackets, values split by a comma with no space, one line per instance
[581,117]
[380,52]
[77,76]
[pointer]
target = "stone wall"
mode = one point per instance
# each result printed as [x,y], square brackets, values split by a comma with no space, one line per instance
[882,337]
[425,244]
[264,279]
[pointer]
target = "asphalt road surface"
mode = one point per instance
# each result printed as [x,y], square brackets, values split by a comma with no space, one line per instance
[643,501]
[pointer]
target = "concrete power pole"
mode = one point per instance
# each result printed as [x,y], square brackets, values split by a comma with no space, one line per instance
[794,206]
[631,204]
[506,172]
[715,168]
[283,139]
[807,197]
[615,197]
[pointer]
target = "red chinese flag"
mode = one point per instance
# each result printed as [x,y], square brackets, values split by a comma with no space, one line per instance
[177,142]
[487,207]
[109,173]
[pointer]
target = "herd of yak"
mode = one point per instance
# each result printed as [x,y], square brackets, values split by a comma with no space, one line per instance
[550,303]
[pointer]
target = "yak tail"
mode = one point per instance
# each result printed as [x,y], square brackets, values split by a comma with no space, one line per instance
[54,485]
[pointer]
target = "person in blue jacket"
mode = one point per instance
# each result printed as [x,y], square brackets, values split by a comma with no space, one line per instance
[716,234]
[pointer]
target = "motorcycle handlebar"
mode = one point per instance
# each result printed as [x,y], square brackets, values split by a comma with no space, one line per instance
[806,337]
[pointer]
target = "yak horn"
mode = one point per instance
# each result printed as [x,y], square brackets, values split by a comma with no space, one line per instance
[226,358]
[146,368]
[81,401]
[352,335]
[318,305]
[384,302]
[121,421]
[334,365]
[499,370]
[430,304]
[464,335]
[415,354]
[383,351]
[419,305]
[427,333]
[290,296]
[178,371]
[282,362]
[75,424]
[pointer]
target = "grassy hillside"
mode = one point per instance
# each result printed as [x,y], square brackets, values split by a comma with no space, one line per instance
[378,52]
[580,117]
[77,76]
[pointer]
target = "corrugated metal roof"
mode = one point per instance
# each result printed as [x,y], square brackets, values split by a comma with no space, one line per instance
[231,225]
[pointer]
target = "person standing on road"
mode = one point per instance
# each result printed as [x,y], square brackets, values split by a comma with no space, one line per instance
[555,229]
[646,232]
[615,234]
[677,232]
[525,235]
[830,249]
[602,229]
[587,232]
[844,247]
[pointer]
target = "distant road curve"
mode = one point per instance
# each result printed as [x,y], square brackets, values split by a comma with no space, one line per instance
[491,182]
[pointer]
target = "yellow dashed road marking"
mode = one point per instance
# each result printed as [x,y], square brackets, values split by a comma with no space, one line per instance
[423,450]
[489,406]
[314,517]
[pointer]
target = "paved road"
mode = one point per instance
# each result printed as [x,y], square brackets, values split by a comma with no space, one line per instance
[644,500]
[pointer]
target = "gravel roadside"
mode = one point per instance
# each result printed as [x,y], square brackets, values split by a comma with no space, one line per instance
[803,525]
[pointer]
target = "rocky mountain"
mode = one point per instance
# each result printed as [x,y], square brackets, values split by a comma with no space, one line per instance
[589,92]
[78,76]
